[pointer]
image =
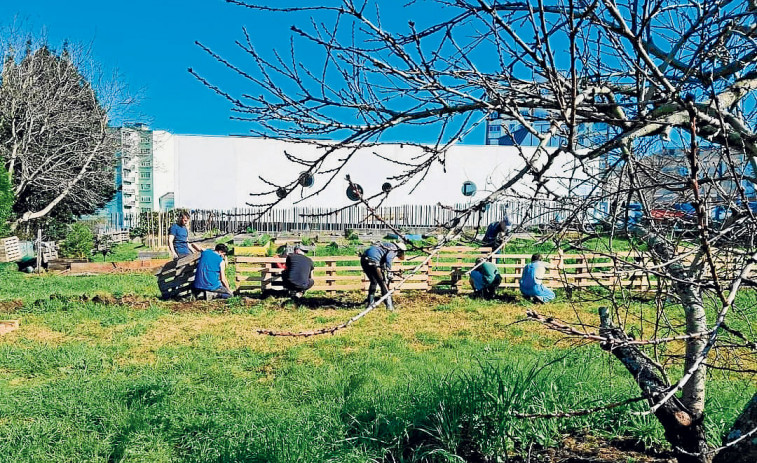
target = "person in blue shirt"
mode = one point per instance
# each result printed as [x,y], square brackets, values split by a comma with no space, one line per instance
[177,238]
[495,232]
[211,272]
[531,284]
[376,262]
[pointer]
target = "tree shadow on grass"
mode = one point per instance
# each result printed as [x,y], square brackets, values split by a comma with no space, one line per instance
[308,301]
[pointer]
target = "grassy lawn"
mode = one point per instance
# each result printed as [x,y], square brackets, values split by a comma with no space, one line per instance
[124,377]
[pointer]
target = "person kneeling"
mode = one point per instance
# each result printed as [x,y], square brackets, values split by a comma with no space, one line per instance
[531,284]
[210,275]
[298,274]
[485,279]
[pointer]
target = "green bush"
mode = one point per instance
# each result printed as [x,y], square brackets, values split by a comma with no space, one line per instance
[264,239]
[78,242]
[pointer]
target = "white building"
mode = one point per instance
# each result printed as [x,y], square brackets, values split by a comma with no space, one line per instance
[217,172]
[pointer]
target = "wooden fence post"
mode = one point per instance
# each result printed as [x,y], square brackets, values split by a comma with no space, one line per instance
[331,272]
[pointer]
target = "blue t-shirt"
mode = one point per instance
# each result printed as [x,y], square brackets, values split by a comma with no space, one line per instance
[383,253]
[528,281]
[180,239]
[208,273]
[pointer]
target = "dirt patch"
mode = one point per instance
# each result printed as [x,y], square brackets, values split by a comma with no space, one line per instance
[6,326]
[591,449]
[11,306]
[216,306]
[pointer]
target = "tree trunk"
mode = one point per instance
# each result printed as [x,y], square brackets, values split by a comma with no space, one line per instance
[745,450]
[30,215]
[683,430]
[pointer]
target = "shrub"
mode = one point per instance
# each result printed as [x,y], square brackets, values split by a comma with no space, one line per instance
[78,242]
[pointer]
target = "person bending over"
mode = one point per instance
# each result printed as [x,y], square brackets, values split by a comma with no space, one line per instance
[376,262]
[485,279]
[496,232]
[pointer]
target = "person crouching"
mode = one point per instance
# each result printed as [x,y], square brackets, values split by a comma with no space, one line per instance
[485,279]
[210,275]
[531,284]
[298,273]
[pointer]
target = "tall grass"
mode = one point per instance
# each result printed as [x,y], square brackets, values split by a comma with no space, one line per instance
[87,381]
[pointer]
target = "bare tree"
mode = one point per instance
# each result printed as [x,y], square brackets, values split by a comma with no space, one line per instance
[654,75]
[54,134]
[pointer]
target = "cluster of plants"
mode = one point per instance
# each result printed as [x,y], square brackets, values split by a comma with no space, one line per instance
[152,223]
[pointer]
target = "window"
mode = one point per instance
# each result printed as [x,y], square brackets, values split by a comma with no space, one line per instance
[144,151]
[145,163]
[469,188]
[144,175]
[146,199]
[306,180]
[354,192]
[145,187]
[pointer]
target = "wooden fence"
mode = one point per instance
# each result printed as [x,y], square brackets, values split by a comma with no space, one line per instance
[447,271]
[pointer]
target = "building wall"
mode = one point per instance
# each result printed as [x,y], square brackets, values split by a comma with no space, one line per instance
[211,172]
[163,164]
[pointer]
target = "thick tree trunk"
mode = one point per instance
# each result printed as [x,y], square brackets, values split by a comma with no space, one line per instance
[745,450]
[683,430]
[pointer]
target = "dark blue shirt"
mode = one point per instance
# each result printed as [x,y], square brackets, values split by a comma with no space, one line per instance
[208,273]
[383,253]
[298,268]
[180,235]
[495,228]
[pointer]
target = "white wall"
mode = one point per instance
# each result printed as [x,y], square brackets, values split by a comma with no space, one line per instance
[220,172]
[163,165]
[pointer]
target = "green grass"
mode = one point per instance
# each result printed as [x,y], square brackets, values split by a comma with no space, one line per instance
[150,381]
[25,287]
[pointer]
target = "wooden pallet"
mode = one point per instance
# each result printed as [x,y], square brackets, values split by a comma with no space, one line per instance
[49,251]
[10,250]
[175,278]
[447,271]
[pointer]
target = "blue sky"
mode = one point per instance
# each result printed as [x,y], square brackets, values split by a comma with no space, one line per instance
[152,43]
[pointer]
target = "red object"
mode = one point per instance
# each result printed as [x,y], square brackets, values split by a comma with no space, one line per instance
[662,214]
